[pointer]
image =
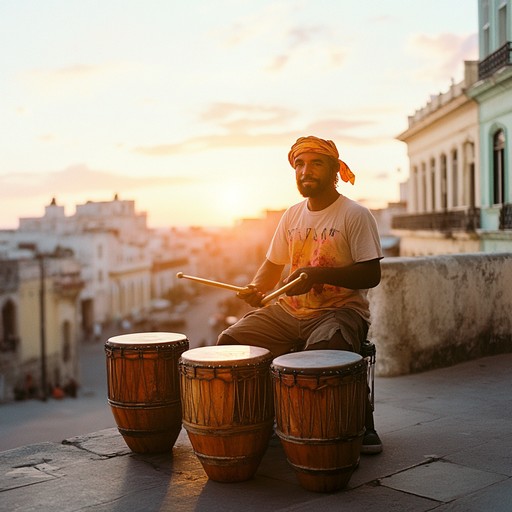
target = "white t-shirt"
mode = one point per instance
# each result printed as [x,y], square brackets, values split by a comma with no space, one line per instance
[342,234]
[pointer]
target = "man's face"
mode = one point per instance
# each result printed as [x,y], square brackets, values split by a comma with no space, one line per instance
[314,174]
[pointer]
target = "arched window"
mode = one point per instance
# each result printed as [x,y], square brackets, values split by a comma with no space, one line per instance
[66,341]
[433,183]
[469,175]
[498,167]
[444,182]
[423,187]
[8,335]
[415,189]
[455,178]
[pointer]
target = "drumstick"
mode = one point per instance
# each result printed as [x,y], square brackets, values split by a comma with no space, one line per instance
[284,288]
[232,287]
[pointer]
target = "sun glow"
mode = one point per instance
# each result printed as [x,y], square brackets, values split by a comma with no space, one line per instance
[232,200]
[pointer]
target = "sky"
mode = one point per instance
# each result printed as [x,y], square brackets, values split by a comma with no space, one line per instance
[189,108]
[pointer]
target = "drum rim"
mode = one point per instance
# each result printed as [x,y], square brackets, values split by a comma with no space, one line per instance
[260,355]
[283,364]
[131,340]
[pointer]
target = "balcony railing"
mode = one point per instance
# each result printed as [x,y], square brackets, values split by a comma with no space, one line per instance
[495,61]
[506,216]
[463,220]
[9,343]
[68,285]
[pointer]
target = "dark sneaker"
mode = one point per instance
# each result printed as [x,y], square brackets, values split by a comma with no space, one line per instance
[371,442]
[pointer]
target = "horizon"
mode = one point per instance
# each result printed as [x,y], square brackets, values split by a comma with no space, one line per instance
[190,110]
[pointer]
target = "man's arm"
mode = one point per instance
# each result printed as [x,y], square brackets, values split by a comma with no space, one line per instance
[266,278]
[365,274]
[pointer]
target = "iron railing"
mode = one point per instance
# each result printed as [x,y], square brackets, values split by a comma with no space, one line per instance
[460,220]
[495,61]
[506,216]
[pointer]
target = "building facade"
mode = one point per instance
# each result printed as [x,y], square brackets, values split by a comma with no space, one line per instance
[39,324]
[443,201]
[493,92]
[460,187]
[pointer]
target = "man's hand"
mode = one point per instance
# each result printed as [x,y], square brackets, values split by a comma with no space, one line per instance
[303,285]
[251,295]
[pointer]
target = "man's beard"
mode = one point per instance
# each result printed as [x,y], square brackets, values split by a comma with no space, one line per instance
[312,191]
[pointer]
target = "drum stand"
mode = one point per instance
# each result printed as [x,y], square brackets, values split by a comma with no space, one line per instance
[368,352]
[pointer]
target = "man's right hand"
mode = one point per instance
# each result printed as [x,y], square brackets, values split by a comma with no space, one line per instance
[251,295]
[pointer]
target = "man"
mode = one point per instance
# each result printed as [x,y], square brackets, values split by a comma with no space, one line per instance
[335,241]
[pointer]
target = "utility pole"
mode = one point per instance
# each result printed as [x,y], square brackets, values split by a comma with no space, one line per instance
[42,323]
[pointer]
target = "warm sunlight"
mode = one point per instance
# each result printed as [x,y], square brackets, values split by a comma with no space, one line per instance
[231,199]
[211,107]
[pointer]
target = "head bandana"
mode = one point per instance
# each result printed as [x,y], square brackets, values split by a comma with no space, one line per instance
[313,144]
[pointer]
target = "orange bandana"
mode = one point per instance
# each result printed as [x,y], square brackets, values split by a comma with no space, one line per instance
[313,144]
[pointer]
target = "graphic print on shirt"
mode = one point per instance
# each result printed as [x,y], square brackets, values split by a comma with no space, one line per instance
[313,248]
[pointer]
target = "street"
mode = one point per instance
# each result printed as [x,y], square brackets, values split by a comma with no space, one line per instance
[34,421]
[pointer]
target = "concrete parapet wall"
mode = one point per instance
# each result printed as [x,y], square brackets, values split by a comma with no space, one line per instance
[435,311]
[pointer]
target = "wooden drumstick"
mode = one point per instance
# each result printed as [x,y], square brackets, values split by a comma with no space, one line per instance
[232,287]
[284,288]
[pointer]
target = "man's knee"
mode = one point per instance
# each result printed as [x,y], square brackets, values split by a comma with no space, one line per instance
[226,339]
[337,342]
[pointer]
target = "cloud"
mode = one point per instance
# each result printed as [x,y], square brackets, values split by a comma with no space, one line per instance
[304,35]
[236,117]
[245,140]
[443,54]
[278,63]
[77,179]
[74,78]
[259,26]
[246,126]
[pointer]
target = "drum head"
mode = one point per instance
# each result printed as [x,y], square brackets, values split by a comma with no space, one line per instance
[312,360]
[225,355]
[136,339]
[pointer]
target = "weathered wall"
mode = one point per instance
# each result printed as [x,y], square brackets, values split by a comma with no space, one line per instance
[435,311]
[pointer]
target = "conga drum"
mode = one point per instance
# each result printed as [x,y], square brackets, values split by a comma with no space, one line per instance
[319,398]
[228,413]
[144,388]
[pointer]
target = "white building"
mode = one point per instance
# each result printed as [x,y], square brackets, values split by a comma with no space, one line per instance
[493,92]
[460,186]
[443,186]
[110,240]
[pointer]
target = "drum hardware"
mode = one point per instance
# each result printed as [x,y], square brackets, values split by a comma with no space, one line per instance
[319,399]
[143,388]
[228,411]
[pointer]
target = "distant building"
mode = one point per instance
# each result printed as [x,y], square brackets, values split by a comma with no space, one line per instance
[460,152]
[493,92]
[39,324]
[442,144]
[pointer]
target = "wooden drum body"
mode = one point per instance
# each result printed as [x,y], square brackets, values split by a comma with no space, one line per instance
[143,388]
[226,394]
[320,411]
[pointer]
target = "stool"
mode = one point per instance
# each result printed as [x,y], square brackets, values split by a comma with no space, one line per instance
[368,353]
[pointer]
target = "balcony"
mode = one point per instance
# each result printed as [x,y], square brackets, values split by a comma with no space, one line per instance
[506,216]
[68,285]
[495,61]
[460,220]
[9,343]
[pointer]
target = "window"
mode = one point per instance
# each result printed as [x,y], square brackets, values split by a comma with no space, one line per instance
[444,184]
[423,187]
[433,183]
[66,341]
[498,167]
[455,178]
[502,25]
[415,188]
[486,41]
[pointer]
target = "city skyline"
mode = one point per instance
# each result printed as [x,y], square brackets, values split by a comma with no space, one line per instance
[190,110]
